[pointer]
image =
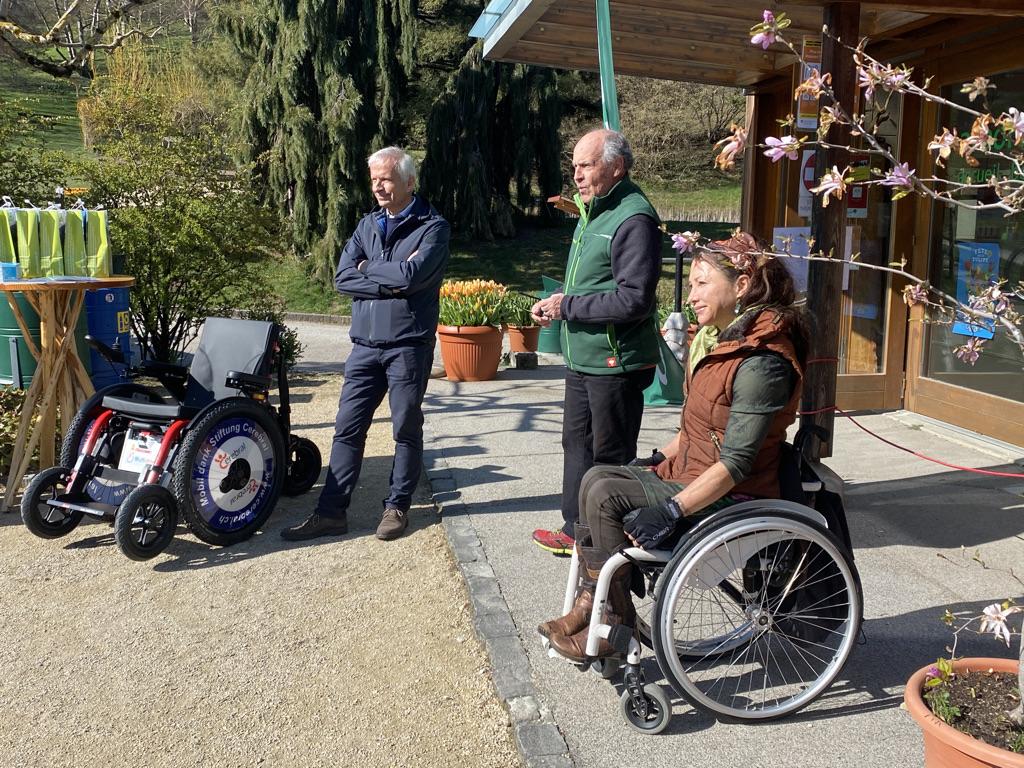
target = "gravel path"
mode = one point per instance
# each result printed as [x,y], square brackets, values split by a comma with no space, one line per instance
[350,652]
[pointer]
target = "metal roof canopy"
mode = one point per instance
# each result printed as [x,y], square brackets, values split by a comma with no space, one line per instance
[696,40]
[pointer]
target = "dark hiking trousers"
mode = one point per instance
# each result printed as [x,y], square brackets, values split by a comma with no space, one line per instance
[600,425]
[370,372]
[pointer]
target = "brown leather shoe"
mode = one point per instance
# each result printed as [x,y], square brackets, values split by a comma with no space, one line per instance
[392,524]
[315,526]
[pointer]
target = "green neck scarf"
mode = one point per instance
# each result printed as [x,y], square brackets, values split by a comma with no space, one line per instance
[707,337]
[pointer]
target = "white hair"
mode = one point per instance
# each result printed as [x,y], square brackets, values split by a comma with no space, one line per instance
[401,160]
[616,145]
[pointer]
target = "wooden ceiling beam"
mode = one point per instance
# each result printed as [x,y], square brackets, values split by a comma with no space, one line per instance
[672,22]
[947,7]
[560,57]
[644,42]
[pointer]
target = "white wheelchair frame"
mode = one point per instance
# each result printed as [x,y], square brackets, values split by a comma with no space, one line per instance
[647,707]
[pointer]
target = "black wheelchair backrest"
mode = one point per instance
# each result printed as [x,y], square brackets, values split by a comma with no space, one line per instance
[226,345]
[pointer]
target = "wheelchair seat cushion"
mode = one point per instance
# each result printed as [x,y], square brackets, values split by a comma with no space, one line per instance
[228,344]
[145,410]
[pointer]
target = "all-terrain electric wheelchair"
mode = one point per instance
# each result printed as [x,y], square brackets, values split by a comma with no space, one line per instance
[216,451]
[751,616]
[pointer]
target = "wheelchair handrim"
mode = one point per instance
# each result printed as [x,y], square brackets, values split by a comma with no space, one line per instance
[700,684]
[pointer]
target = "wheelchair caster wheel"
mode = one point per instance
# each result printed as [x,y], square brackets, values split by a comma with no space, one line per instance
[606,668]
[303,467]
[648,711]
[145,522]
[45,521]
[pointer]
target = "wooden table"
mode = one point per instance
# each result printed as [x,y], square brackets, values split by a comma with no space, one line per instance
[60,382]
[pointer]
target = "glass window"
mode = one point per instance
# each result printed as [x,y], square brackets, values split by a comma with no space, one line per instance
[971,247]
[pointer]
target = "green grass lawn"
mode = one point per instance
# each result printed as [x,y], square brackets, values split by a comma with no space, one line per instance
[300,292]
[56,100]
[717,203]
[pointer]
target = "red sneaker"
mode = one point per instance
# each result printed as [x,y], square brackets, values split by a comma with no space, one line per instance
[556,542]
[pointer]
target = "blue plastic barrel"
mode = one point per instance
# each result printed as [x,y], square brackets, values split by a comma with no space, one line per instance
[107,313]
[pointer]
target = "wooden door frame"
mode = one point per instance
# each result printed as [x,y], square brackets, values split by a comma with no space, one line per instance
[991,415]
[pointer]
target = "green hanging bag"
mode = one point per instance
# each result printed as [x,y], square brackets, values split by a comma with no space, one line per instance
[8,226]
[97,244]
[51,252]
[74,244]
[28,242]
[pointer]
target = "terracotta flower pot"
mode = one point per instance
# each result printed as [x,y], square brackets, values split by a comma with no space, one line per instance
[470,352]
[523,338]
[945,746]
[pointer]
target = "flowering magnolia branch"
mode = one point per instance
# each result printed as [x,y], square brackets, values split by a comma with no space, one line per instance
[993,305]
[996,303]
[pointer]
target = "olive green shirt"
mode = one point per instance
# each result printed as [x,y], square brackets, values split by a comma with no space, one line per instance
[762,387]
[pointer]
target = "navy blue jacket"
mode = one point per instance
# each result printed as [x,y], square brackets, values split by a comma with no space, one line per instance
[395,296]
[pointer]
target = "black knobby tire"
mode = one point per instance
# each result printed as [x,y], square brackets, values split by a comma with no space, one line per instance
[45,521]
[82,420]
[201,490]
[304,466]
[145,522]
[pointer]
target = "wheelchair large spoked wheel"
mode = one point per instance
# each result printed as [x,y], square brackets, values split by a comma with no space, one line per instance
[40,518]
[230,471]
[779,646]
[145,522]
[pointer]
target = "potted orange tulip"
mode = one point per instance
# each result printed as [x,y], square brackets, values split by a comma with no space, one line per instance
[469,328]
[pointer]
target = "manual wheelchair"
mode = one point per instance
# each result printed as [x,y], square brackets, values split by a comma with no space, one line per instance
[216,451]
[751,616]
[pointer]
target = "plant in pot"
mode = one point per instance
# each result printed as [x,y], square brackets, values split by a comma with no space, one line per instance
[469,328]
[970,709]
[523,332]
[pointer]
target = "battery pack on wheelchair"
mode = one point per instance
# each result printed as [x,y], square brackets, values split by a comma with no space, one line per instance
[213,450]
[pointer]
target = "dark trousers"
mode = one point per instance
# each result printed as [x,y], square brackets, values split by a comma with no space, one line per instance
[402,373]
[600,425]
[607,494]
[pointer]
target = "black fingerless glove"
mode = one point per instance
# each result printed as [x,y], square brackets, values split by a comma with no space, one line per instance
[654,460]
[649,526]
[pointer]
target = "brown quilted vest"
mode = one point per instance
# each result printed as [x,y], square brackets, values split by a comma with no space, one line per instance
[708,400]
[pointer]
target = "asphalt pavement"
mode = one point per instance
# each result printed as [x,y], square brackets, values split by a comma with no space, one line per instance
[494,459]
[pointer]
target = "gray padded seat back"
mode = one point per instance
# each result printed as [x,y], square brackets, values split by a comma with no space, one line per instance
[228,345]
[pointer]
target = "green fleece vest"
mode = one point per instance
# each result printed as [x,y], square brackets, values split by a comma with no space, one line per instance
[605,348]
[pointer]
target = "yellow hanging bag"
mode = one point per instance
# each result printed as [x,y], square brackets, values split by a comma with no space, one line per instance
[74,244]
[51,252]
[97,244]
[28,242]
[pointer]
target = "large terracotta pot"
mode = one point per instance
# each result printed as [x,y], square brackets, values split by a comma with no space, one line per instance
[470,352]
[945,746]
[523,338]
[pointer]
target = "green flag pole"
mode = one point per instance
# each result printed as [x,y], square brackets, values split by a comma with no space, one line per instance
[609,96]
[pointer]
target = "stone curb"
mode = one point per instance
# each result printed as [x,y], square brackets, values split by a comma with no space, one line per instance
[537,737]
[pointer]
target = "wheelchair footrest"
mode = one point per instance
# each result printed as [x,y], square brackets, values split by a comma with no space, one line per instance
[77,504]
[619,637]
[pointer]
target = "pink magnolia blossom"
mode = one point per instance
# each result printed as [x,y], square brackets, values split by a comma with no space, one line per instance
[979,86]
[900,176]
[995,620]
[731,147]
[1014,121]
[915,294]
[685,241]
[971,351]
[833,184]
[868,78]
[943,145]
[766,35]
[814,85]
[787,146]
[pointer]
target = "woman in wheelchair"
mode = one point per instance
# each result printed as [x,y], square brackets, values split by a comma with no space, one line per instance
[743,386]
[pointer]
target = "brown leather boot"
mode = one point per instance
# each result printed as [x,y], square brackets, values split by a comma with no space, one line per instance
[619,610]
[577,618]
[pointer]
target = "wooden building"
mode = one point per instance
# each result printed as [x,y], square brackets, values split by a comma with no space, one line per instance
[888,358]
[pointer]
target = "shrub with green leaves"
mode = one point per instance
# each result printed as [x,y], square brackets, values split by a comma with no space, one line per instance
[516,310]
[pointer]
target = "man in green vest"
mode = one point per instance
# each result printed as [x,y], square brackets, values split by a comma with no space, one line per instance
[609,323]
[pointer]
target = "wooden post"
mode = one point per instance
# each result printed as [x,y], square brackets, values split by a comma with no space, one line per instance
[828,228]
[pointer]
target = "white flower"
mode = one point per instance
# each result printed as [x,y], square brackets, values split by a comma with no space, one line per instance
[995,621]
